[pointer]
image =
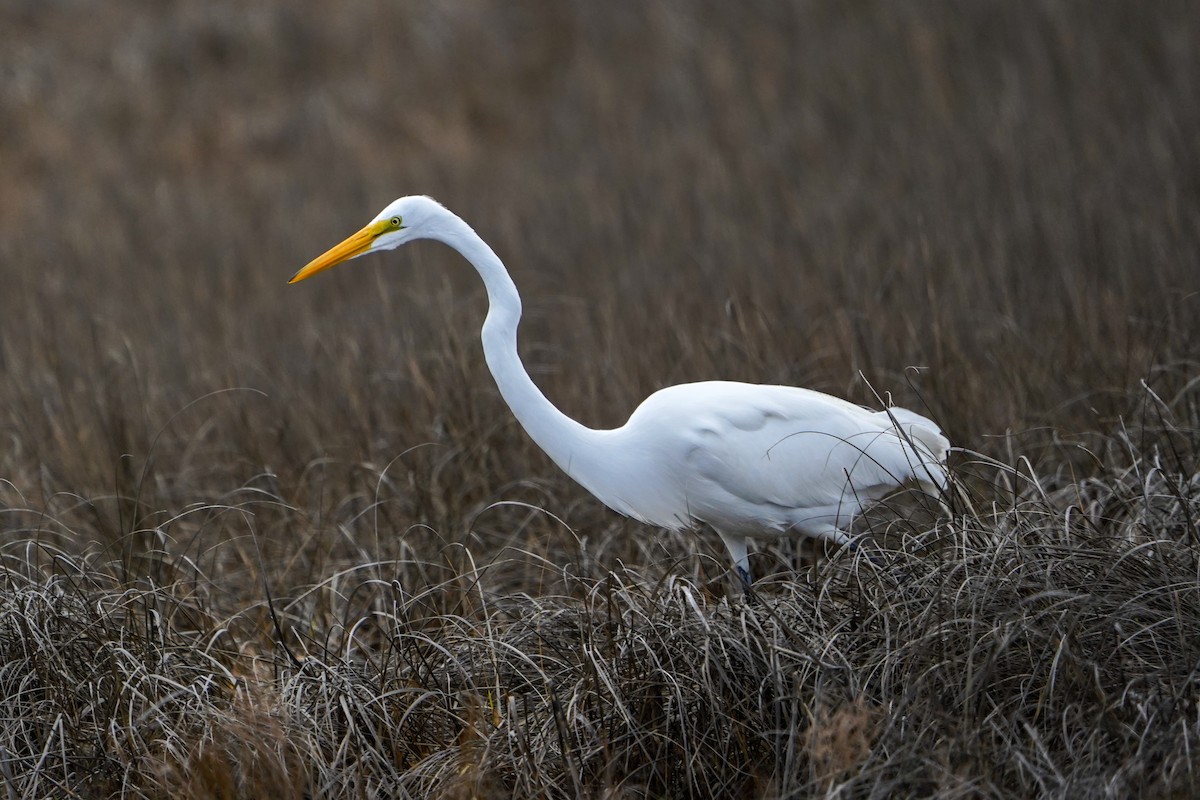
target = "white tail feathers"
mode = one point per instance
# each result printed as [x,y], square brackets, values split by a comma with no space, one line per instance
[931,444]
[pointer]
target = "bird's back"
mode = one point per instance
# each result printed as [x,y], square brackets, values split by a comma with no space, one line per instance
[764,459]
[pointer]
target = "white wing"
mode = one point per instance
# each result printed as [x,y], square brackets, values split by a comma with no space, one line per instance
[752,458]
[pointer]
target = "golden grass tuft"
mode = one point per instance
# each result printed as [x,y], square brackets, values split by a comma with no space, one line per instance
[841,739]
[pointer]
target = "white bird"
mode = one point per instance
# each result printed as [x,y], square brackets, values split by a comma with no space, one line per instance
[748,460]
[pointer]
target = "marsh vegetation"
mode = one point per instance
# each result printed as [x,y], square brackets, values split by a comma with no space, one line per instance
[270,541]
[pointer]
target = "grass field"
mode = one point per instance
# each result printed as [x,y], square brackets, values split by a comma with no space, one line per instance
[270,541]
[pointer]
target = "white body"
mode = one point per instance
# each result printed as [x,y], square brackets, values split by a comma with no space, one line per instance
[748,460]
[754,461]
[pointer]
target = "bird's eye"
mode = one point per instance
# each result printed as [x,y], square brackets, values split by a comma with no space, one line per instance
[396,222]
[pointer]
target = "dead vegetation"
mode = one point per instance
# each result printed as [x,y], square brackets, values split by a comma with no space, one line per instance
[261,541]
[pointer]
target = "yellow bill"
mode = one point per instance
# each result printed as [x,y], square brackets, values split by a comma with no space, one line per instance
[356,245]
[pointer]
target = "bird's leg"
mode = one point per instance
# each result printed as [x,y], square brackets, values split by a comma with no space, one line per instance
[854,546]
[747,580]
[736,545]
[842,538]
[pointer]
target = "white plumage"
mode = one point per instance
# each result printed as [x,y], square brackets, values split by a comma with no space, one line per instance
[748,460]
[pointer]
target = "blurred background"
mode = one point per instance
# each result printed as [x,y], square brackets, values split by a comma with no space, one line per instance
[988,211]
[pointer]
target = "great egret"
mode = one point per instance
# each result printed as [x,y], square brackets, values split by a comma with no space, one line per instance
[748,460]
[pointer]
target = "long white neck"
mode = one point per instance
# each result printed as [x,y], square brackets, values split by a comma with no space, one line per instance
[566,441]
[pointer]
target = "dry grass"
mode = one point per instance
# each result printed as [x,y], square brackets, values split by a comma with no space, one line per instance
[259,541]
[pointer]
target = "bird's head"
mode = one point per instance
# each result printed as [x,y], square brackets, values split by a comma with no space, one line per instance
[403,221]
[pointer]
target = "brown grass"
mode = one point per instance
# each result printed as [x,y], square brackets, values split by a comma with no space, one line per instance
[269,541]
